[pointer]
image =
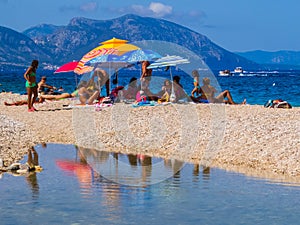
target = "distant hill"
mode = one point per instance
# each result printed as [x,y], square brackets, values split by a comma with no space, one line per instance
[18,49]
[278,59]
[57,45]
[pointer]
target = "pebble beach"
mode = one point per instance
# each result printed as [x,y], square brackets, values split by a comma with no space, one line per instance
[249,139]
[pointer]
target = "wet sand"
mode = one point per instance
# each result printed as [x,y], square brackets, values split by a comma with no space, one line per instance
[248,139]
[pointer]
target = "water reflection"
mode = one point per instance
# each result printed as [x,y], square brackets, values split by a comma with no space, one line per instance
[76,188]
[90,166]
[28,170]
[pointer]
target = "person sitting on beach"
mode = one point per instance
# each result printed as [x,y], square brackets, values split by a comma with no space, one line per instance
[196,89]
[207,95]
[165,92]
[103,79]
[131,91]
[178,89]
[89,93]
[44,88]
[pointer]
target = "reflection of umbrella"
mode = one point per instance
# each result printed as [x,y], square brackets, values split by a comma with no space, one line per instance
[68,67]
[71,166]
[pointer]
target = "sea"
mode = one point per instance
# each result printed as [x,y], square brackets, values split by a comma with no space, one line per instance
[256,86]
[69,191]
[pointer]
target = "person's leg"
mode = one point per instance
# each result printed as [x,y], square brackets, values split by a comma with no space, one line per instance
[35,95]
[226,94]
[82,95]
[107,87]
[29,94]
[94,96]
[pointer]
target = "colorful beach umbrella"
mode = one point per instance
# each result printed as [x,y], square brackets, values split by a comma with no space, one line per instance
[68,67]
[111,46]
[81,68]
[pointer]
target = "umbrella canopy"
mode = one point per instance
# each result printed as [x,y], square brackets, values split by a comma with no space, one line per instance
[112,43]
[168,60]
[68,67]
[139,55]
[172,60]
[112,46]
[81,68]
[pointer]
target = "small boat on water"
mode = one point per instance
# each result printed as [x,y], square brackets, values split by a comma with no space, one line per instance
[238,70]
[224,73]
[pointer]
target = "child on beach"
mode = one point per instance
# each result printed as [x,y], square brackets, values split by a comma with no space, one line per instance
[196,89]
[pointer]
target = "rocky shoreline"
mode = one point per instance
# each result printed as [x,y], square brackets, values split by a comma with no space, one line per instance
[249,139]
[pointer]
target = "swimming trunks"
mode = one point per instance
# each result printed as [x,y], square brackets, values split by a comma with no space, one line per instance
[30,85]
[27,85]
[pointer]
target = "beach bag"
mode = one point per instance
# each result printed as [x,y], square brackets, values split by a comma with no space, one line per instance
[278,103]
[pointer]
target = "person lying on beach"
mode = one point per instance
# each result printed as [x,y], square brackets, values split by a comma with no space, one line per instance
[23,102]
[207,95]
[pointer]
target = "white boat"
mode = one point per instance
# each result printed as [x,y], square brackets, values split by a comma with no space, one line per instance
[224,73]
[238,70]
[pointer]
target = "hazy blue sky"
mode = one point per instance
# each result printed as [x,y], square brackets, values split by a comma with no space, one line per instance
[236,25]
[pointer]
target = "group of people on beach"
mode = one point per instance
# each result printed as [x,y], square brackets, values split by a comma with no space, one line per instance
[89,91]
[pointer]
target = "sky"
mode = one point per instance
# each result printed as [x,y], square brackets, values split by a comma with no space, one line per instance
[235,25]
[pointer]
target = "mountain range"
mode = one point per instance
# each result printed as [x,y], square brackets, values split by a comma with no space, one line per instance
[56,45]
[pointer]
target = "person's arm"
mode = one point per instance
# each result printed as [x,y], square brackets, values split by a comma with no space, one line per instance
[26,74]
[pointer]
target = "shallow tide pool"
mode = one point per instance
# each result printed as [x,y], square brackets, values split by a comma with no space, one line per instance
[83,186]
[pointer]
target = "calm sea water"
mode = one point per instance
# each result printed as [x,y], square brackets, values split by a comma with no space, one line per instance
[78,186]
[256,86]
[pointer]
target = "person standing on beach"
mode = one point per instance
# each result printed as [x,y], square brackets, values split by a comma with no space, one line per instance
[31,85]
[146,75]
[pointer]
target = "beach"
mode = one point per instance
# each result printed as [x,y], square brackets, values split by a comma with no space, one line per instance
[250,139]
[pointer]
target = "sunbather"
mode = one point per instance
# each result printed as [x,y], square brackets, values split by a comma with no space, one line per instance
[23,102]
[207,95]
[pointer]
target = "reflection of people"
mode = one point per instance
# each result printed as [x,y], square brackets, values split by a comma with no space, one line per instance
[28,169]
[31,165]
[31,85]
[45,88]
[207,93]
[146,163]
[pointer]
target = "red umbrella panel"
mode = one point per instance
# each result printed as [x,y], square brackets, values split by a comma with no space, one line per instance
[68,67]
[81,68]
